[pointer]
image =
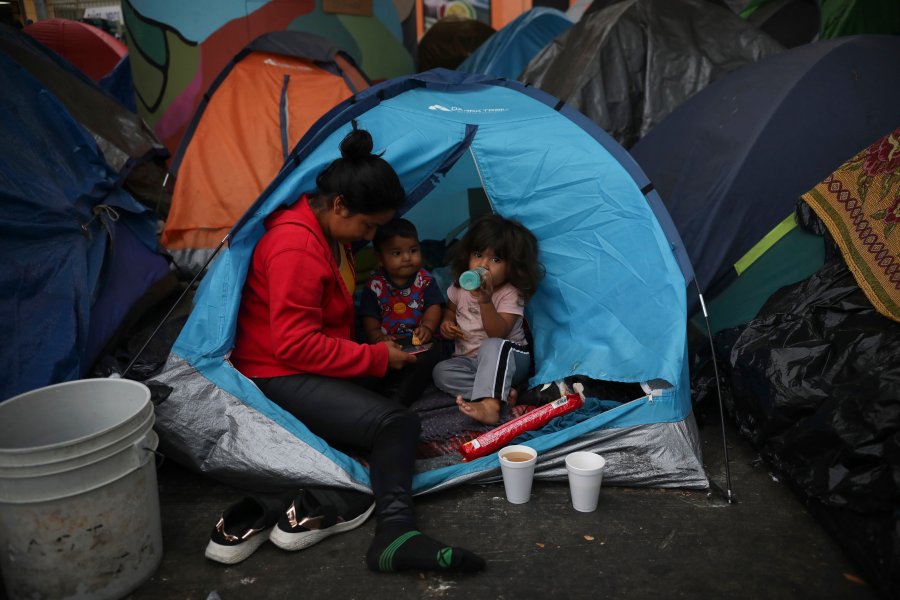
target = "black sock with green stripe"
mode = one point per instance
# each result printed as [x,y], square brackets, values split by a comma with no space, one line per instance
[399,547]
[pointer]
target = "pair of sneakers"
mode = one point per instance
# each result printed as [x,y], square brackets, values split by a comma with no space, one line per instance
[289,522]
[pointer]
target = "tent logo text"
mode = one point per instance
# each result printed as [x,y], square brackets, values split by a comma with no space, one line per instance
[284,65]
[466,110]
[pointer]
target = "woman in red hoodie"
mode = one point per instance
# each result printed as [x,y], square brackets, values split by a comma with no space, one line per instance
[295,340]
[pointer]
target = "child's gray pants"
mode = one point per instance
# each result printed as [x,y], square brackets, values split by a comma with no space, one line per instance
[500,364]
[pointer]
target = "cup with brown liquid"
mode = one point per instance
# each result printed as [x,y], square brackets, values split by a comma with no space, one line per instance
[517,466]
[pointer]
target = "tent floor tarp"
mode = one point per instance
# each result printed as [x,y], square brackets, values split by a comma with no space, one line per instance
[640,543]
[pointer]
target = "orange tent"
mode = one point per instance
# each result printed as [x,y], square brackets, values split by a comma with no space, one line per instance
[254,113]
[89,48]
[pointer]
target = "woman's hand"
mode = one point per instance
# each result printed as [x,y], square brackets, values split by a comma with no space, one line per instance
[397,358]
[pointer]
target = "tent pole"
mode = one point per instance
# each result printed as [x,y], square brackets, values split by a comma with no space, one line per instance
[162,192]
[174,305]
[728,494]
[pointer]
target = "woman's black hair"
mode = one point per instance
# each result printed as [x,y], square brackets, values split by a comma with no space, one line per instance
[509,240]
[367,183]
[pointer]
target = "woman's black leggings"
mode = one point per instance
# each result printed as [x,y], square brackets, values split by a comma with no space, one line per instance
[347,415]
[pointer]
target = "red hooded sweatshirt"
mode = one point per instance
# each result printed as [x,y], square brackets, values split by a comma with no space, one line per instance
[296,314]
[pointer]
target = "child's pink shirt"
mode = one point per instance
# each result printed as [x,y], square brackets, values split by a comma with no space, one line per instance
[468,315]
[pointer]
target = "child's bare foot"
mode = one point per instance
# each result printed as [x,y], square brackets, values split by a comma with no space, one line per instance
[486,410]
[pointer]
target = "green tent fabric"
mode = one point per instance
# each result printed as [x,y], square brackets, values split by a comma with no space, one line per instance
[846,17]
[794,257]
[850,17]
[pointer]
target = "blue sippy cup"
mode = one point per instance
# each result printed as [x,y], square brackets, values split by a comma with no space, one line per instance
[471,279]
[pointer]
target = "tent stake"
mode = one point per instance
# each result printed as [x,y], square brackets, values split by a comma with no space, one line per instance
[729,497]
[174,305]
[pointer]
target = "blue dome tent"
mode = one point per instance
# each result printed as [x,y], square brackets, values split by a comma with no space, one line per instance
[732,161]
[508,52]
[612,306]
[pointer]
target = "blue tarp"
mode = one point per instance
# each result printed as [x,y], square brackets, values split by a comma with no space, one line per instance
[62,213]
[119,84]
[125,141]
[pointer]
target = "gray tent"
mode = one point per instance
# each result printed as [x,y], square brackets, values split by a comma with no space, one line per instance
[630,64]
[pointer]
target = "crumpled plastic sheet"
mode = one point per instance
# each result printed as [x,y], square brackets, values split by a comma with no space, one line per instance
[211,431]
[626,67]
[815,384]
[662,455]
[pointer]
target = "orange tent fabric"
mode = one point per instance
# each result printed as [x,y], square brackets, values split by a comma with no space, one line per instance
[254,117]
[89,48]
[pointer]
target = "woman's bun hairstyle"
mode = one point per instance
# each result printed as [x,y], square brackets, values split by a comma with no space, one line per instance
[357,145]
[367,183]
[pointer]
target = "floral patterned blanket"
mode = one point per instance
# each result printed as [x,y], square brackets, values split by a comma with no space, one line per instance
[860,205]
[445,428]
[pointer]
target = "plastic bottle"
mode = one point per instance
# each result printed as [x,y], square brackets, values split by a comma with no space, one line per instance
[471,279]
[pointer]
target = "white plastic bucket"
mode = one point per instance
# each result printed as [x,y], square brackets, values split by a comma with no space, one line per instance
[79,505]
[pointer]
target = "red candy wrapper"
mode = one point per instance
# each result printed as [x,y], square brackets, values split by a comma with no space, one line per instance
[500,436]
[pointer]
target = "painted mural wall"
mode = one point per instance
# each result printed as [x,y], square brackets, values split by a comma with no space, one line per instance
[178,47]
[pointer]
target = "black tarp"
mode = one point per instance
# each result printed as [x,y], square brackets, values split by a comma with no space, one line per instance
[630,64]
[815,385]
